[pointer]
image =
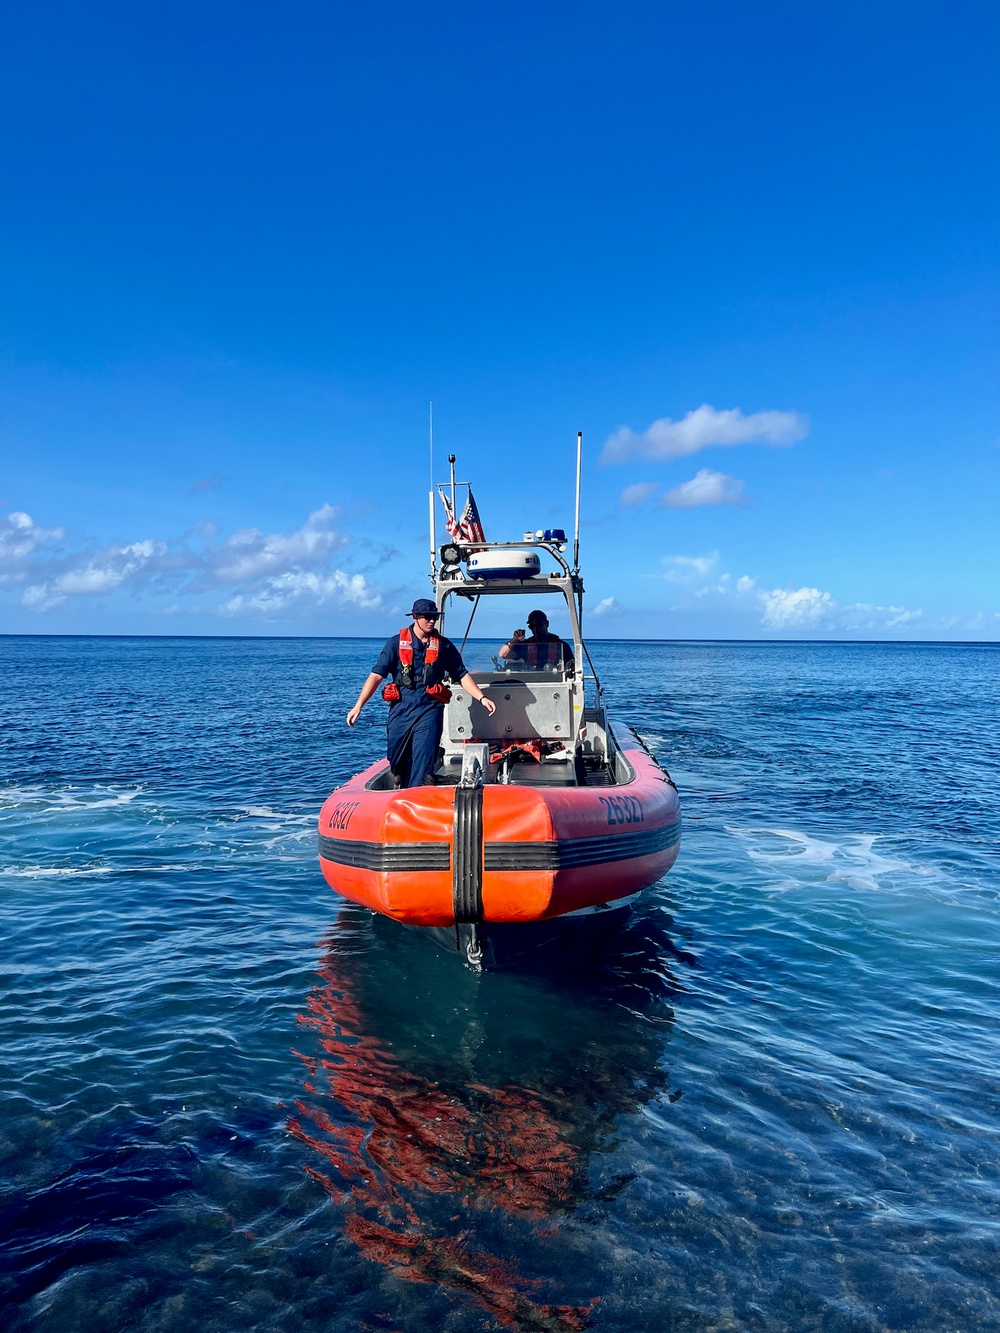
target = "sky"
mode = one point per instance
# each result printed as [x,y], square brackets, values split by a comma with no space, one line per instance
[751,251]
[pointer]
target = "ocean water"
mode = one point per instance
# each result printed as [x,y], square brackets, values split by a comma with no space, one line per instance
[229,1101]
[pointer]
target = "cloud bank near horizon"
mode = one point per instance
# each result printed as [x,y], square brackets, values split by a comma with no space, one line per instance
[252,574]
[699,583]
[789,608]
[264,574]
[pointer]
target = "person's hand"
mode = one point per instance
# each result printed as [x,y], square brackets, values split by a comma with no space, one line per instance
[489,705]
[518,636]
[353,715]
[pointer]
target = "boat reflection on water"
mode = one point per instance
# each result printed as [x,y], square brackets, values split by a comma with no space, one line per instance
[456,1116]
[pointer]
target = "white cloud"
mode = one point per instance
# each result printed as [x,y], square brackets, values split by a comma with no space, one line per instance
[84,581]
[704,428]
[20,539]
[809,607]
[105,572]
[790,608]
[637,494]
[109,569]
[265,573]
[705,488]
[726,585]
[689,568]
[251,553]
[794,609]
[863,615]
[607,606]
[287,591]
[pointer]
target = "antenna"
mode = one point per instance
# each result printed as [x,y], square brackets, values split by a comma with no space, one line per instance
[451,461]
[430,425]
[576,538]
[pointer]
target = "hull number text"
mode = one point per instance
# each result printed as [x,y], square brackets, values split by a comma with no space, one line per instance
[342,813]
[622,809]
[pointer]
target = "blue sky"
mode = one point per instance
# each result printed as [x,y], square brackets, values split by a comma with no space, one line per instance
[751,251]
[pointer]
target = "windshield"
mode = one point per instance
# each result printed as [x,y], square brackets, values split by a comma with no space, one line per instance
[501,637]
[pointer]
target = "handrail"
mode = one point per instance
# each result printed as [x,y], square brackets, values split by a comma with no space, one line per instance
[596,679]
[472,616]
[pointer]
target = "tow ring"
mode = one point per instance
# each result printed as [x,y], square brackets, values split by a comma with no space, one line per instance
[474,952]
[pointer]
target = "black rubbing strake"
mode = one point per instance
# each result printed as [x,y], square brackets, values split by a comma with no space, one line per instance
[385,856]
[570,852]
[467,867]
[471,855]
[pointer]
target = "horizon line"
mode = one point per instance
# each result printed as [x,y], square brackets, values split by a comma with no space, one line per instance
[365,638]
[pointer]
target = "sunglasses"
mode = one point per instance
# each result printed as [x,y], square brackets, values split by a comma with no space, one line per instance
[432,619]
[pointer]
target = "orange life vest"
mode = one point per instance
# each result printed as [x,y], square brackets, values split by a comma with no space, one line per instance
[543,654]
[437,690]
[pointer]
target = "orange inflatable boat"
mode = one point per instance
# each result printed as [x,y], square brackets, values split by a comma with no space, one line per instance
[546,810]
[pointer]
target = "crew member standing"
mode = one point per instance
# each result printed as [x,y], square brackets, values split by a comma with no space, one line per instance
[417,659]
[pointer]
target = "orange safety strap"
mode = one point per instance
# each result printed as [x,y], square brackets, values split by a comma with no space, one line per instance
[532,748]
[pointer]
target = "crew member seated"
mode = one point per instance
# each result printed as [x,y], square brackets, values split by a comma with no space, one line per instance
[541,650]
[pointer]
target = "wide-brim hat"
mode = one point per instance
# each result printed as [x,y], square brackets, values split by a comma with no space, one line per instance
[423,606]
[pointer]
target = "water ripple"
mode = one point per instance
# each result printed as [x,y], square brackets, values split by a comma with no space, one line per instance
[230,1102]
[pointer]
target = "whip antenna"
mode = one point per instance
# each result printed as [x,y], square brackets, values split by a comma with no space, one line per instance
[576,538]
[430,495]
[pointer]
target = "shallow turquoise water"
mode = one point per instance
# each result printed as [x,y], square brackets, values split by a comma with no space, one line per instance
[230,1102]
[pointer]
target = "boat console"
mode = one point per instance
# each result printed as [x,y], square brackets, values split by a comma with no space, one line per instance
[528,708]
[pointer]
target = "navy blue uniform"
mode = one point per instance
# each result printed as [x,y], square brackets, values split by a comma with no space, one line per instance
[416,721]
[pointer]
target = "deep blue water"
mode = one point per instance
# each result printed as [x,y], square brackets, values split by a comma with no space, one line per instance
[230,1102]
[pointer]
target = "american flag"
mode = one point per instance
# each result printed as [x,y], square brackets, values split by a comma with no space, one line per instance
[468,528]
